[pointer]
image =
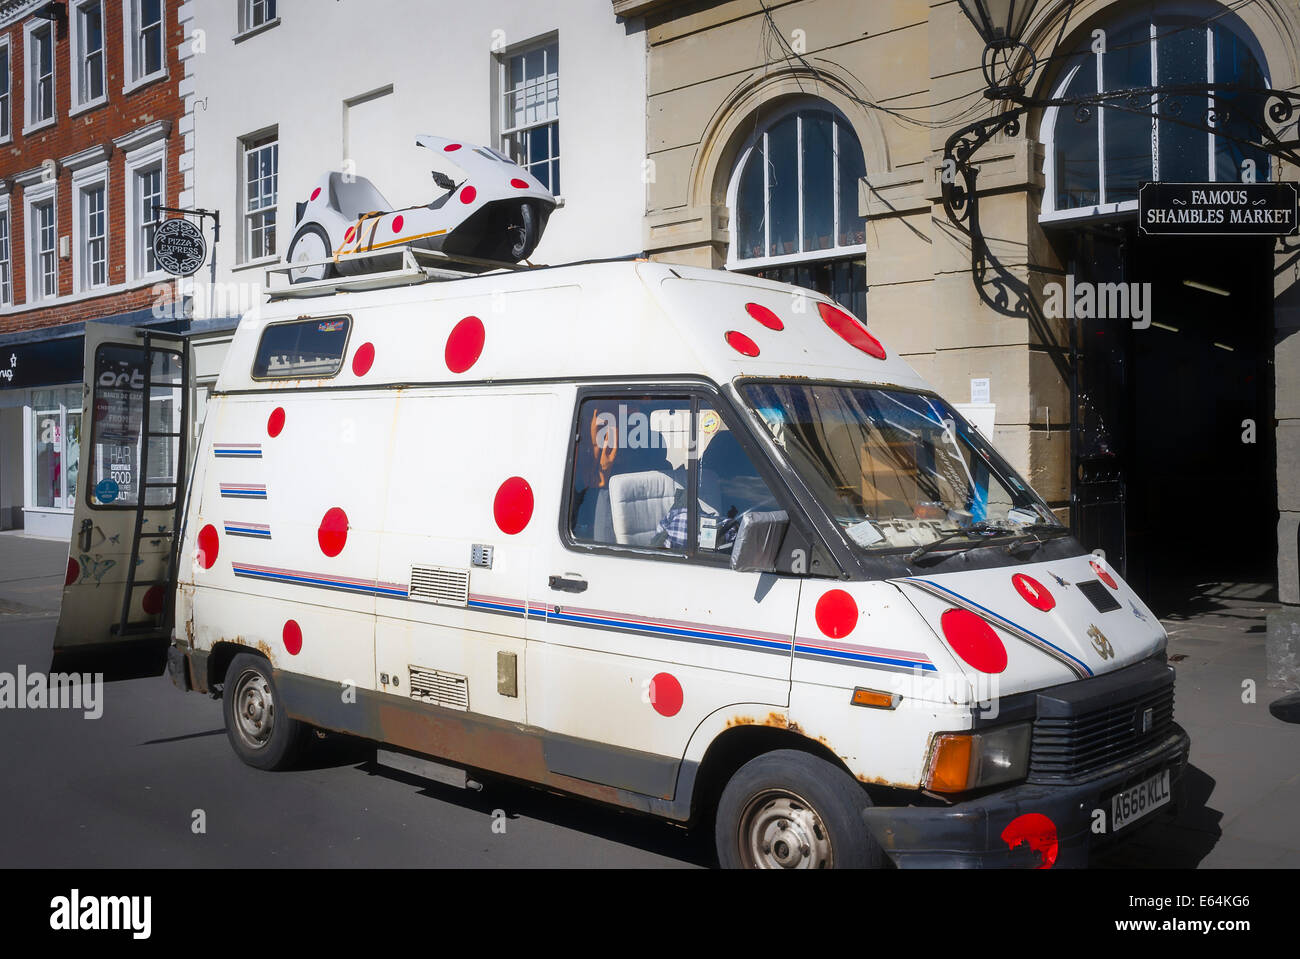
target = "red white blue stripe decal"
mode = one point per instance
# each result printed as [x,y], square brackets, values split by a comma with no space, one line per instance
[256,530]
[243,490]
[894,660]
[1076,665]
[247,451]
[879,657]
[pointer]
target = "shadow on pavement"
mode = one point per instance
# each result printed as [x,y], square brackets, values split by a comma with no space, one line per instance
[1178,843]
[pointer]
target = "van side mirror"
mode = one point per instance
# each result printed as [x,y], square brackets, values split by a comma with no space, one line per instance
[758,541]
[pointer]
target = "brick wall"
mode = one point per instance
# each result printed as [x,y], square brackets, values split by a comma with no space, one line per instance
[119,115]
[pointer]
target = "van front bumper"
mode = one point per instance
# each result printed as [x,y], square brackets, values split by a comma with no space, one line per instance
[1055,822]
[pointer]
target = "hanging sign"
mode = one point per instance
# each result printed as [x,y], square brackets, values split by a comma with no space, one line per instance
[1218,209]
[179,247]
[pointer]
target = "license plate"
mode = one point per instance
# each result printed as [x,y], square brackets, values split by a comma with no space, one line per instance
[1130,805]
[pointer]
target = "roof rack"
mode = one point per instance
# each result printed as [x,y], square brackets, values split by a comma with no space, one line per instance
[418,266]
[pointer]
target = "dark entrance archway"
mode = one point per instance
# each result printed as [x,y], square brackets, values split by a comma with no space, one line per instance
[1174,458]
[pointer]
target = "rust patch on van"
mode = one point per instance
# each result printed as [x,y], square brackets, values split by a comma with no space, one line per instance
[740,721]
[264,649]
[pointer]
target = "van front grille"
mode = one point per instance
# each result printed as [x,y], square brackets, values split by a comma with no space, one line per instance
[441,689]
[1072,748]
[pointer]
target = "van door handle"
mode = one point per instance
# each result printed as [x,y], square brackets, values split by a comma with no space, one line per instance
[575,585]
[84,534]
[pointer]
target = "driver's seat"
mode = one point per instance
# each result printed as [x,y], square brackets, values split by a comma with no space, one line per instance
[356,197]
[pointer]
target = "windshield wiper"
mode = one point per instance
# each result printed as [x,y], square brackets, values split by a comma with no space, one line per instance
[982,528]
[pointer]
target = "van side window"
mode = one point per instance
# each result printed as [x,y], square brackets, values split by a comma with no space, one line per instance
[302,349]
[633,466]
[121,412]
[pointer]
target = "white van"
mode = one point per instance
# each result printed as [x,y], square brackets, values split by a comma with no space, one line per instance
[681,541]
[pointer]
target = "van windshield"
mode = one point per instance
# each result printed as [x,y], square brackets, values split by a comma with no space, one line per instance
[895,468]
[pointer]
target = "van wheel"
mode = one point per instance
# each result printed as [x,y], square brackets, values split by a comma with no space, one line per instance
[262,735]
[791,810]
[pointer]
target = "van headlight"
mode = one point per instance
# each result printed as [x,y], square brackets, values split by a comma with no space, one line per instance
[962,761]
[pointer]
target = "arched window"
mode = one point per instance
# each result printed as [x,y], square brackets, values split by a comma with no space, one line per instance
[794,204]
[1097,158]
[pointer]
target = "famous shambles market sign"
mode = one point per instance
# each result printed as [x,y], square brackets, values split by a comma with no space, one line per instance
[1216,209]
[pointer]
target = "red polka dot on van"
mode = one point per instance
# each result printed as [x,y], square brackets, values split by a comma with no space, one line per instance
[315,193]
[513,506]
[275,422]
[1036,831]
[741,343]
[1033,592]
[666,694]
[74,572]
[1102,575]
[153,600]
[765,316]
[208,546]
[363,359]
[851,330]
[347,237]
[973,640]
[333,532]
[836,613]
[292,637]
[519,184]
[451,148]
[464,344]
[398,222]
[468,194]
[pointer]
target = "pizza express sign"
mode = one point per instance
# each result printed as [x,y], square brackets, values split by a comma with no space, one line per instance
[179,247]
[1213,209]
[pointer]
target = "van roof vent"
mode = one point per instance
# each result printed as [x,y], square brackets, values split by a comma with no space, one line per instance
[442,689]
[444,585]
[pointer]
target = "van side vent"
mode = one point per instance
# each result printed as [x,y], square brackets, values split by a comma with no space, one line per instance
[440,584]
[441,689]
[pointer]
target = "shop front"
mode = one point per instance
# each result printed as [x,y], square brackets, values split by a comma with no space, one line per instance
[41,418]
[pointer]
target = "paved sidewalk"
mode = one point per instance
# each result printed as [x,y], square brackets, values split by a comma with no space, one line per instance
[31,574]
[1244,783]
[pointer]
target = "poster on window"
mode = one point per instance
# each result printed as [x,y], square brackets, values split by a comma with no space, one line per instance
[119,410]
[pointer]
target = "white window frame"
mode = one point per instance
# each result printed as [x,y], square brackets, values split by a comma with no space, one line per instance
[131,40]
[136,162]
[754,141]
[245,214]
[38,194]
[7,98]
[30,28]
[82,182]
[247,25]
[504,117]
[6,255]
[77,58]
[1049,212]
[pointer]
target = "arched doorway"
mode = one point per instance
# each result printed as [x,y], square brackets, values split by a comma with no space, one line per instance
[793,197]
[1173,441]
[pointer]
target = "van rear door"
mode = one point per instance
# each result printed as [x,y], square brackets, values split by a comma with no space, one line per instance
[119,594]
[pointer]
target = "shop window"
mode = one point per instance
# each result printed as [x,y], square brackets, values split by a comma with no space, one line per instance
[794,202]
[93,249]
[256,13]
[88,53]
[55,447]
[1098,157]
[40,75]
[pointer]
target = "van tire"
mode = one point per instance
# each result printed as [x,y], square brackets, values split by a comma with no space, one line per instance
[264,736]
[821,808]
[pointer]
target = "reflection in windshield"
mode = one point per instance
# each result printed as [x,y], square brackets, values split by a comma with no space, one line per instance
[894,468]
